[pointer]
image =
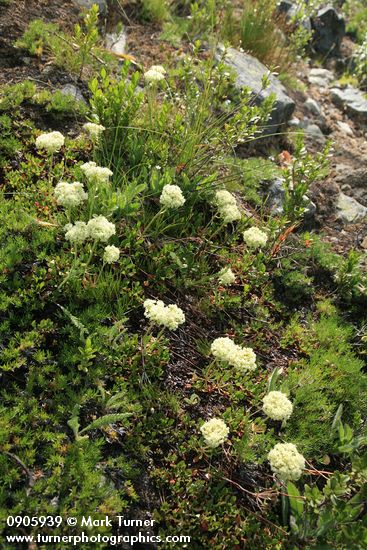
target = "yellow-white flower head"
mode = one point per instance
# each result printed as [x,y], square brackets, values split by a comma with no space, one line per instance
[51,142]
[70,194]
[153,75]
[227,206]
[93,130]
[172,196]
[96,174]
[277,406]
[170,316]
[286,462]
[226,276]
[255,238]
[111,254]
[100,229]
[225,350]
[158,69]
[215,431]
[76,233]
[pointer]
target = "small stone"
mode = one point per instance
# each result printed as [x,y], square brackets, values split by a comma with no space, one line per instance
[275,195]
[349,210]
[320,77]
[353,100]
[70,89]
[310,209]
[345,128]
[116,42]
[364,242]
[311,130]
[356,179]
[294,122]
[102,4]
[313,106]
[346,187]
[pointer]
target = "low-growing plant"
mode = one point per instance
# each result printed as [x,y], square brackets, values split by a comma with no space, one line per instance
[73,53]
[265,33]
[157,11]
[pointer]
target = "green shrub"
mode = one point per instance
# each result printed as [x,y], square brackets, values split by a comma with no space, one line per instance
[155,10]
[75,53]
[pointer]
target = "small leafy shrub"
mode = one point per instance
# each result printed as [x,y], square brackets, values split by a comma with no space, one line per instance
[356,18]
[333,515]
[156,11]
[360,57]
[77,53]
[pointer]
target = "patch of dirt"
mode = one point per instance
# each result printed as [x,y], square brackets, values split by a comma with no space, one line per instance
[15,66]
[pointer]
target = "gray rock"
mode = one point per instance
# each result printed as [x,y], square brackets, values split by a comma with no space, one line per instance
[275,194]
[294,122]
[70,89]
[116,42]
[320,77]
[102,4]
[353,181]
[346,187]
[286,7]
[310,210]
[329,29]
[345,128]
[312,106]
[353,100]
[250,72]
[310,129]
[349,210]
[289,10]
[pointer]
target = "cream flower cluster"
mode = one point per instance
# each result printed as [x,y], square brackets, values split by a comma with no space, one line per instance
[76,233]
[226,276]
[227,206]
[286,462]
[70,194]
[215,431]
[225,350]
[96,174]
[93,130]
[51,142]
[111,254]
[255,238]
[171,196]
[170,316]
[100,229]
[277,406]
[155,74]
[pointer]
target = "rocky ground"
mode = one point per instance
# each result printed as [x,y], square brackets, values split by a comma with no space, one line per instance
[322,109]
